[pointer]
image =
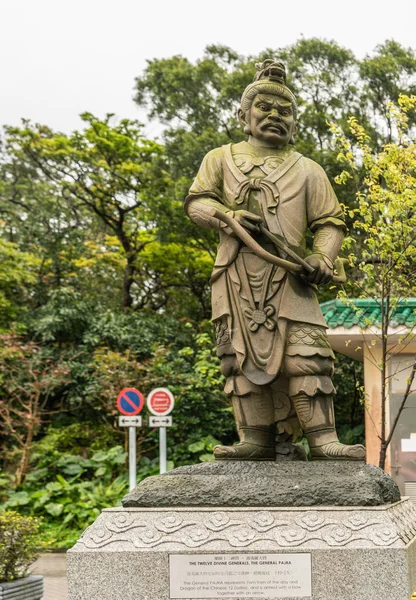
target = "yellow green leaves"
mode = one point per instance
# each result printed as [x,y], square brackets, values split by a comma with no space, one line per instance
[386,210]
[20,544]
[18,271]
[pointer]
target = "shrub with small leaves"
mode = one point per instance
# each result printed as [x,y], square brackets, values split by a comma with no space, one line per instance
[20,544]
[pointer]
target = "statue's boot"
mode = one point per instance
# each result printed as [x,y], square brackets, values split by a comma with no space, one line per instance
[317,419]
[288,428]
[256,443]
[254,416]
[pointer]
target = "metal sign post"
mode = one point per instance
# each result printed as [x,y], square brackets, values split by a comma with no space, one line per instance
[132,458]
[130,403]
[162,450]
[160,403]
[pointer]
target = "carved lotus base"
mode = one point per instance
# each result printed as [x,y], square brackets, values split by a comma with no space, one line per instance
[357,553]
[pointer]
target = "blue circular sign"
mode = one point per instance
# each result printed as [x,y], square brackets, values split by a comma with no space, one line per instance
[130,401]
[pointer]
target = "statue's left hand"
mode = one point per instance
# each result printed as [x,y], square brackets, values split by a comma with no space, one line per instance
[322,274]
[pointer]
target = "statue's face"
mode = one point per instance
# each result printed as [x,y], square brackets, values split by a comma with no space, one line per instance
[270,120]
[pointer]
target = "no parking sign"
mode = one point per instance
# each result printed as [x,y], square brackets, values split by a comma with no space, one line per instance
[130,402]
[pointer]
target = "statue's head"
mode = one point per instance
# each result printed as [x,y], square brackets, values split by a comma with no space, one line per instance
[268,109]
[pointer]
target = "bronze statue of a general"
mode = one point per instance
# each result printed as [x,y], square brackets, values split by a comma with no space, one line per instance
[263,196]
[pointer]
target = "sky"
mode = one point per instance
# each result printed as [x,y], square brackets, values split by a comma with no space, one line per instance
[59,58]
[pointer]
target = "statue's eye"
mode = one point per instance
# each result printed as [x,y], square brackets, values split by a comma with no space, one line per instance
[263,107]
[285,112]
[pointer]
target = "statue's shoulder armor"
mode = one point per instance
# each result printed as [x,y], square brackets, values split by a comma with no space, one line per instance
[215,154]
[312,169]
[241,148]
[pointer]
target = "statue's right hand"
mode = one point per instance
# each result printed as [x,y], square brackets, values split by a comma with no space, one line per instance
[248,220]
[244,218]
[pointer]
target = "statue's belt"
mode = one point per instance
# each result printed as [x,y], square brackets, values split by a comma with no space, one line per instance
[297,268]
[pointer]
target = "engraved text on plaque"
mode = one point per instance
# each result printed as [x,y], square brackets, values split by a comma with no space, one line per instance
[229,576]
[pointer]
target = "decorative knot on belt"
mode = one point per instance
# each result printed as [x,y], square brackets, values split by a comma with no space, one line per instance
[268,188]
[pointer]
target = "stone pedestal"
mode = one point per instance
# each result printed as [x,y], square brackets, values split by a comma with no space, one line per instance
[321,483]
[356,553]
[322,552]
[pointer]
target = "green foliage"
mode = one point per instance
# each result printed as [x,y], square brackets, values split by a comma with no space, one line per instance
[29,378]
[78,469]
[386,211]
[110,171]
[139,332]
[201,409]
[388,74]
[198,95]
[63,318]
[17,273]
[206,446]
[352,435]
[69,490]
[322,75]
[115,184]
[20,544]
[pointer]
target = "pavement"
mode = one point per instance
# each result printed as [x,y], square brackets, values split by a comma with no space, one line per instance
[53,567]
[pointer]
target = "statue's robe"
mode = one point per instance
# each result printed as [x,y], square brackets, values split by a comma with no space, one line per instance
[255,305]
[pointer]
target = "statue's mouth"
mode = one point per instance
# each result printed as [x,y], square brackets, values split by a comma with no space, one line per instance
[275,127]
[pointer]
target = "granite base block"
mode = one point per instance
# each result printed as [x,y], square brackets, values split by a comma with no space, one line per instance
[357,553]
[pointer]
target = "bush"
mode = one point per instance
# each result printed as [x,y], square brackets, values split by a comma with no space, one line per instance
[20,544]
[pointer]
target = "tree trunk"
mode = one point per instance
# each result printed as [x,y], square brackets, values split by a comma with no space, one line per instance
[383,455]
[127,299]
[385,318]
[23,467]
[24,464]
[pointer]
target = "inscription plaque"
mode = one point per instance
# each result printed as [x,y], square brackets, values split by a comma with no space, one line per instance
[229,576]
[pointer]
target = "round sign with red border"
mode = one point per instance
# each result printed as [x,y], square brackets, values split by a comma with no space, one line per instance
[130,402]
[160,402]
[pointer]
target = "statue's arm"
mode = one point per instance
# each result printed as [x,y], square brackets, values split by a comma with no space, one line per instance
[327,242]
[206,192]
[326,221]
[199,210]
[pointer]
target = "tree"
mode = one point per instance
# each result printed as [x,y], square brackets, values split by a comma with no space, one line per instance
[28,378]
[109,169]
[107,205]
[386,219]
[390,72]
[39,220]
